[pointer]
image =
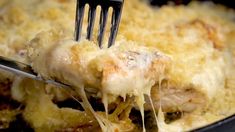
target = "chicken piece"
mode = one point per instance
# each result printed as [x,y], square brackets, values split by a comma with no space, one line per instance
[123,70]
[174,100]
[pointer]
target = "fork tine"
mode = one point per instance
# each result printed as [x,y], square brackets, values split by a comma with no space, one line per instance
[91,21]
[105,4]
[116,16]
[103,21]
[79,18]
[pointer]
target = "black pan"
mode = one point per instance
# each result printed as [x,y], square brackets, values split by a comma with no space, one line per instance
[227,124]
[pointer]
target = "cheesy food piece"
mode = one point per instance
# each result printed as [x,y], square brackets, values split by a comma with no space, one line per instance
[171,59]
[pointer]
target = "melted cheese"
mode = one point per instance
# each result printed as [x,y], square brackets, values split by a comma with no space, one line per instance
[191,49]
[131,72]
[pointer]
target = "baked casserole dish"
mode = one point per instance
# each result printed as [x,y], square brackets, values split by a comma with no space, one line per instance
[172,68]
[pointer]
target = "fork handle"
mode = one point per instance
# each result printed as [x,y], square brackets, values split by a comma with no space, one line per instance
[25,70]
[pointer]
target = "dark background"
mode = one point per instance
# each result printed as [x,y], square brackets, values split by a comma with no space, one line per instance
[228,3]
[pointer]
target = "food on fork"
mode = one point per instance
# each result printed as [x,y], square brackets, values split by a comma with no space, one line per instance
[171,68]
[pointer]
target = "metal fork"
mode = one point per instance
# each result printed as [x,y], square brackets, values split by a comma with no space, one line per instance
[105,5]
[25,70]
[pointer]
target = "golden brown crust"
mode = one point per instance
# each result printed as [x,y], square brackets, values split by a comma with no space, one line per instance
[195,42]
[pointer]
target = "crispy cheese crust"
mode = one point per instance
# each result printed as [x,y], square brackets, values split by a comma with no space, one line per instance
[178,57]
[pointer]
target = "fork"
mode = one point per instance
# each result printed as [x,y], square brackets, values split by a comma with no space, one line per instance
[105,5]
[26,70]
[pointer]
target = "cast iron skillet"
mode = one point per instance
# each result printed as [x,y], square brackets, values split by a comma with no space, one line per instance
[227,124]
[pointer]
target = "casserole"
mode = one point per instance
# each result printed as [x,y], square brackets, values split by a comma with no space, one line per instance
[227,123]
[138,65]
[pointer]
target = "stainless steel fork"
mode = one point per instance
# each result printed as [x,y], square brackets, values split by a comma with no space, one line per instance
[27,71]
[105,5]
